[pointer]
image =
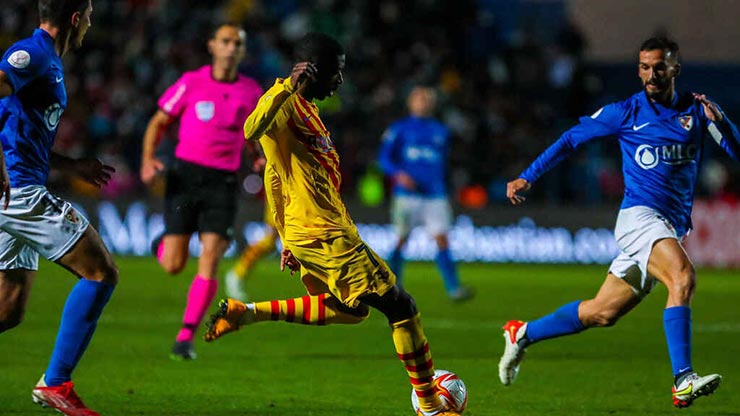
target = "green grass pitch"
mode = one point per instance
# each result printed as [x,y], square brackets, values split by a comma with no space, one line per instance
[287,369]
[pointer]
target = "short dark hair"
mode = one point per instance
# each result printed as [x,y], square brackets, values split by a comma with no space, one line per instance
[662,43]
[58,12]
[317,47]
[218,27]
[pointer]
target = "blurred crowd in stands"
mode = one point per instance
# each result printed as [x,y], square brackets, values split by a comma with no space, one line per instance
[511,77]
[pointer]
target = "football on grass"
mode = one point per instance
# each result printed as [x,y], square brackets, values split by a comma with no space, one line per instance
[451,390]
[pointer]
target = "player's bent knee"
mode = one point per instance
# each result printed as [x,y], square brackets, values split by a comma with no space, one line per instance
[348,315]
[604,318]
[397,305]
[358,315]
[106,273]
[684,284]
[173,266]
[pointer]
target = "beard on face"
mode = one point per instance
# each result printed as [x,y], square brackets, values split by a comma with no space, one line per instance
[75,38]
[659,87]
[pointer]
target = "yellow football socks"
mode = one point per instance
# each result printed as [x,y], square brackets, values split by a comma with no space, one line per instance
[307,310]
[413,350]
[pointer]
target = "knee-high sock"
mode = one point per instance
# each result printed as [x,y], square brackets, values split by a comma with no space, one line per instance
[254,252]
[307,310]
[395,262]
[84,305]
[413,350]
[677,327]
[160,250]
[564,321]
[447,269]
[201,294]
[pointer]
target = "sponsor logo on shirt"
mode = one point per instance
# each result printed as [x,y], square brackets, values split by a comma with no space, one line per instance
[640,127]
[205,110]
[52,115]
[421,153]
[19,59]
[648,157]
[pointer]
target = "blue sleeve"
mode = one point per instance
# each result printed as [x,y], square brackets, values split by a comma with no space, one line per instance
[387,157]
[448,144]
[725,134]
[605,122]
[22,64]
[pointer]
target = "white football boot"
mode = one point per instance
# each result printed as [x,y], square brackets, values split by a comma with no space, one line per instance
[508,366]
[694,386]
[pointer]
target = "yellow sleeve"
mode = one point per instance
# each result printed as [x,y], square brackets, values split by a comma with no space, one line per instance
[267,108]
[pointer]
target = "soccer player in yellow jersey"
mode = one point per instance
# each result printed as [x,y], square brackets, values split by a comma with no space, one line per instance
[343,276]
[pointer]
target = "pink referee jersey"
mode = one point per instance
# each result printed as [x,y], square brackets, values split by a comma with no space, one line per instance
[212,115]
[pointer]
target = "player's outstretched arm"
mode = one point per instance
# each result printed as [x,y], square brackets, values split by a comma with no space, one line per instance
[271,101]
[722,130]
[90,170]
[514,187]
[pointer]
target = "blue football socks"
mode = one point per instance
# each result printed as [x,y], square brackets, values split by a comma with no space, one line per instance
[80,317]
[564,321]
[677,327]
[447,269]
[395,262]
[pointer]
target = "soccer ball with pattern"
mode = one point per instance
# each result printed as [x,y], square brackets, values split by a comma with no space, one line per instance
[451,390]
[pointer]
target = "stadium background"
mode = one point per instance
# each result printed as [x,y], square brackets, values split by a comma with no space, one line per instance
[512,75]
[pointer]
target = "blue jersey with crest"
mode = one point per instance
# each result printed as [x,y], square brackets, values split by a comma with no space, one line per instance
[661,147]
[419,147]
[29,117]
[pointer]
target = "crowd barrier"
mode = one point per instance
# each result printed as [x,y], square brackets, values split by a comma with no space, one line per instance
[128,229]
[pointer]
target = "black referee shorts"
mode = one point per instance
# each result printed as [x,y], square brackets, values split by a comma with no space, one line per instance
[200,199]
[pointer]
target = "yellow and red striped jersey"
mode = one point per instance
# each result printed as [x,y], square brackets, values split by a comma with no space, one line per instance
[303,165]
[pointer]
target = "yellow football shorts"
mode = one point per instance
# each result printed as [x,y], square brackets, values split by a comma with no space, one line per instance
[343,266]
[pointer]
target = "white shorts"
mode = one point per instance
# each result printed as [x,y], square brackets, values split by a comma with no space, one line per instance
[638,229]
[36,222]
[409,211]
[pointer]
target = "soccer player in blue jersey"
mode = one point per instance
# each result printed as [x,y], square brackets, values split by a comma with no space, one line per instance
[32,220]
[414,154]
[661,132]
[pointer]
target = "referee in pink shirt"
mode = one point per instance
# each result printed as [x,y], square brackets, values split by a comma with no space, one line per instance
[211,104]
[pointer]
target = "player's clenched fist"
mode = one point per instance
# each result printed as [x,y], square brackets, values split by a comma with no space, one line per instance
[515,186]
[302,71]
[150,167]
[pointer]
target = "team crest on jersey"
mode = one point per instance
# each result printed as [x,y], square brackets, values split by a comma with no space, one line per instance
[686,122]
[205,110]
[19,59]
[322,143]
[71,216]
